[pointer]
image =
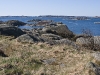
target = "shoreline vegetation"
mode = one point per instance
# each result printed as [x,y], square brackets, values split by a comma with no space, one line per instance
[51,50]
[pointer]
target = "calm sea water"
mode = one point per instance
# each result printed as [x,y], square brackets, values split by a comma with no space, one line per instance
[74,25]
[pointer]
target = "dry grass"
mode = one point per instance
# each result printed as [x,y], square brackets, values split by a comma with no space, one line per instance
[24,59]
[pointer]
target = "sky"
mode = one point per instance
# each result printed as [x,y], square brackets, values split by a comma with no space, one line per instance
[50,7]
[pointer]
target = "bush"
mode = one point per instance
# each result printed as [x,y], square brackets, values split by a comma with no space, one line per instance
[92,41]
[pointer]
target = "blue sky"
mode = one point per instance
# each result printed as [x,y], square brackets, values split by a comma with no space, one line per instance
[50,7]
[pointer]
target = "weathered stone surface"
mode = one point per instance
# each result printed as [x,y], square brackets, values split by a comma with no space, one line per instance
[93,69]
[97,40]
[96,56]
[92,43]
[35,20]
[50,61]
[15,23]
[25,39]
[10,31]
[51,37]
[28,39]
[60,42]
[61,30]
[82,40]
[64,41]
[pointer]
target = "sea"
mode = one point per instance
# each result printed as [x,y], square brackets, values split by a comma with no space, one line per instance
[77,26]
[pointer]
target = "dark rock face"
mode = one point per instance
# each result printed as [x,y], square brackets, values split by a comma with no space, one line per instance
[15,23]
[61,30]
[43,23]
[11,31]
[35,20]
[1,22]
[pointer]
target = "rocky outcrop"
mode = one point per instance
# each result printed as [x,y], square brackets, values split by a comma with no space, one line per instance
[82,41]
[89,42]
[96,57]
[43,23]
[34,20]
[27,39]
[97,40]
[50,37]
[10,31]
[94,67]
[40,22]
[15,23]
[54,34]
[67,42]
[60,29]
[1,22]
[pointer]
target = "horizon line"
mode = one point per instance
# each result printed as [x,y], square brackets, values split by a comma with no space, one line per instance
[49,15]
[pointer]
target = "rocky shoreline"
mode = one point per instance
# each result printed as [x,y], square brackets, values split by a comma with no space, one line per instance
[52,33]
[67,46]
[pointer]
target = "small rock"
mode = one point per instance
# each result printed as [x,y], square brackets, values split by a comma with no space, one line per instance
[50,61]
